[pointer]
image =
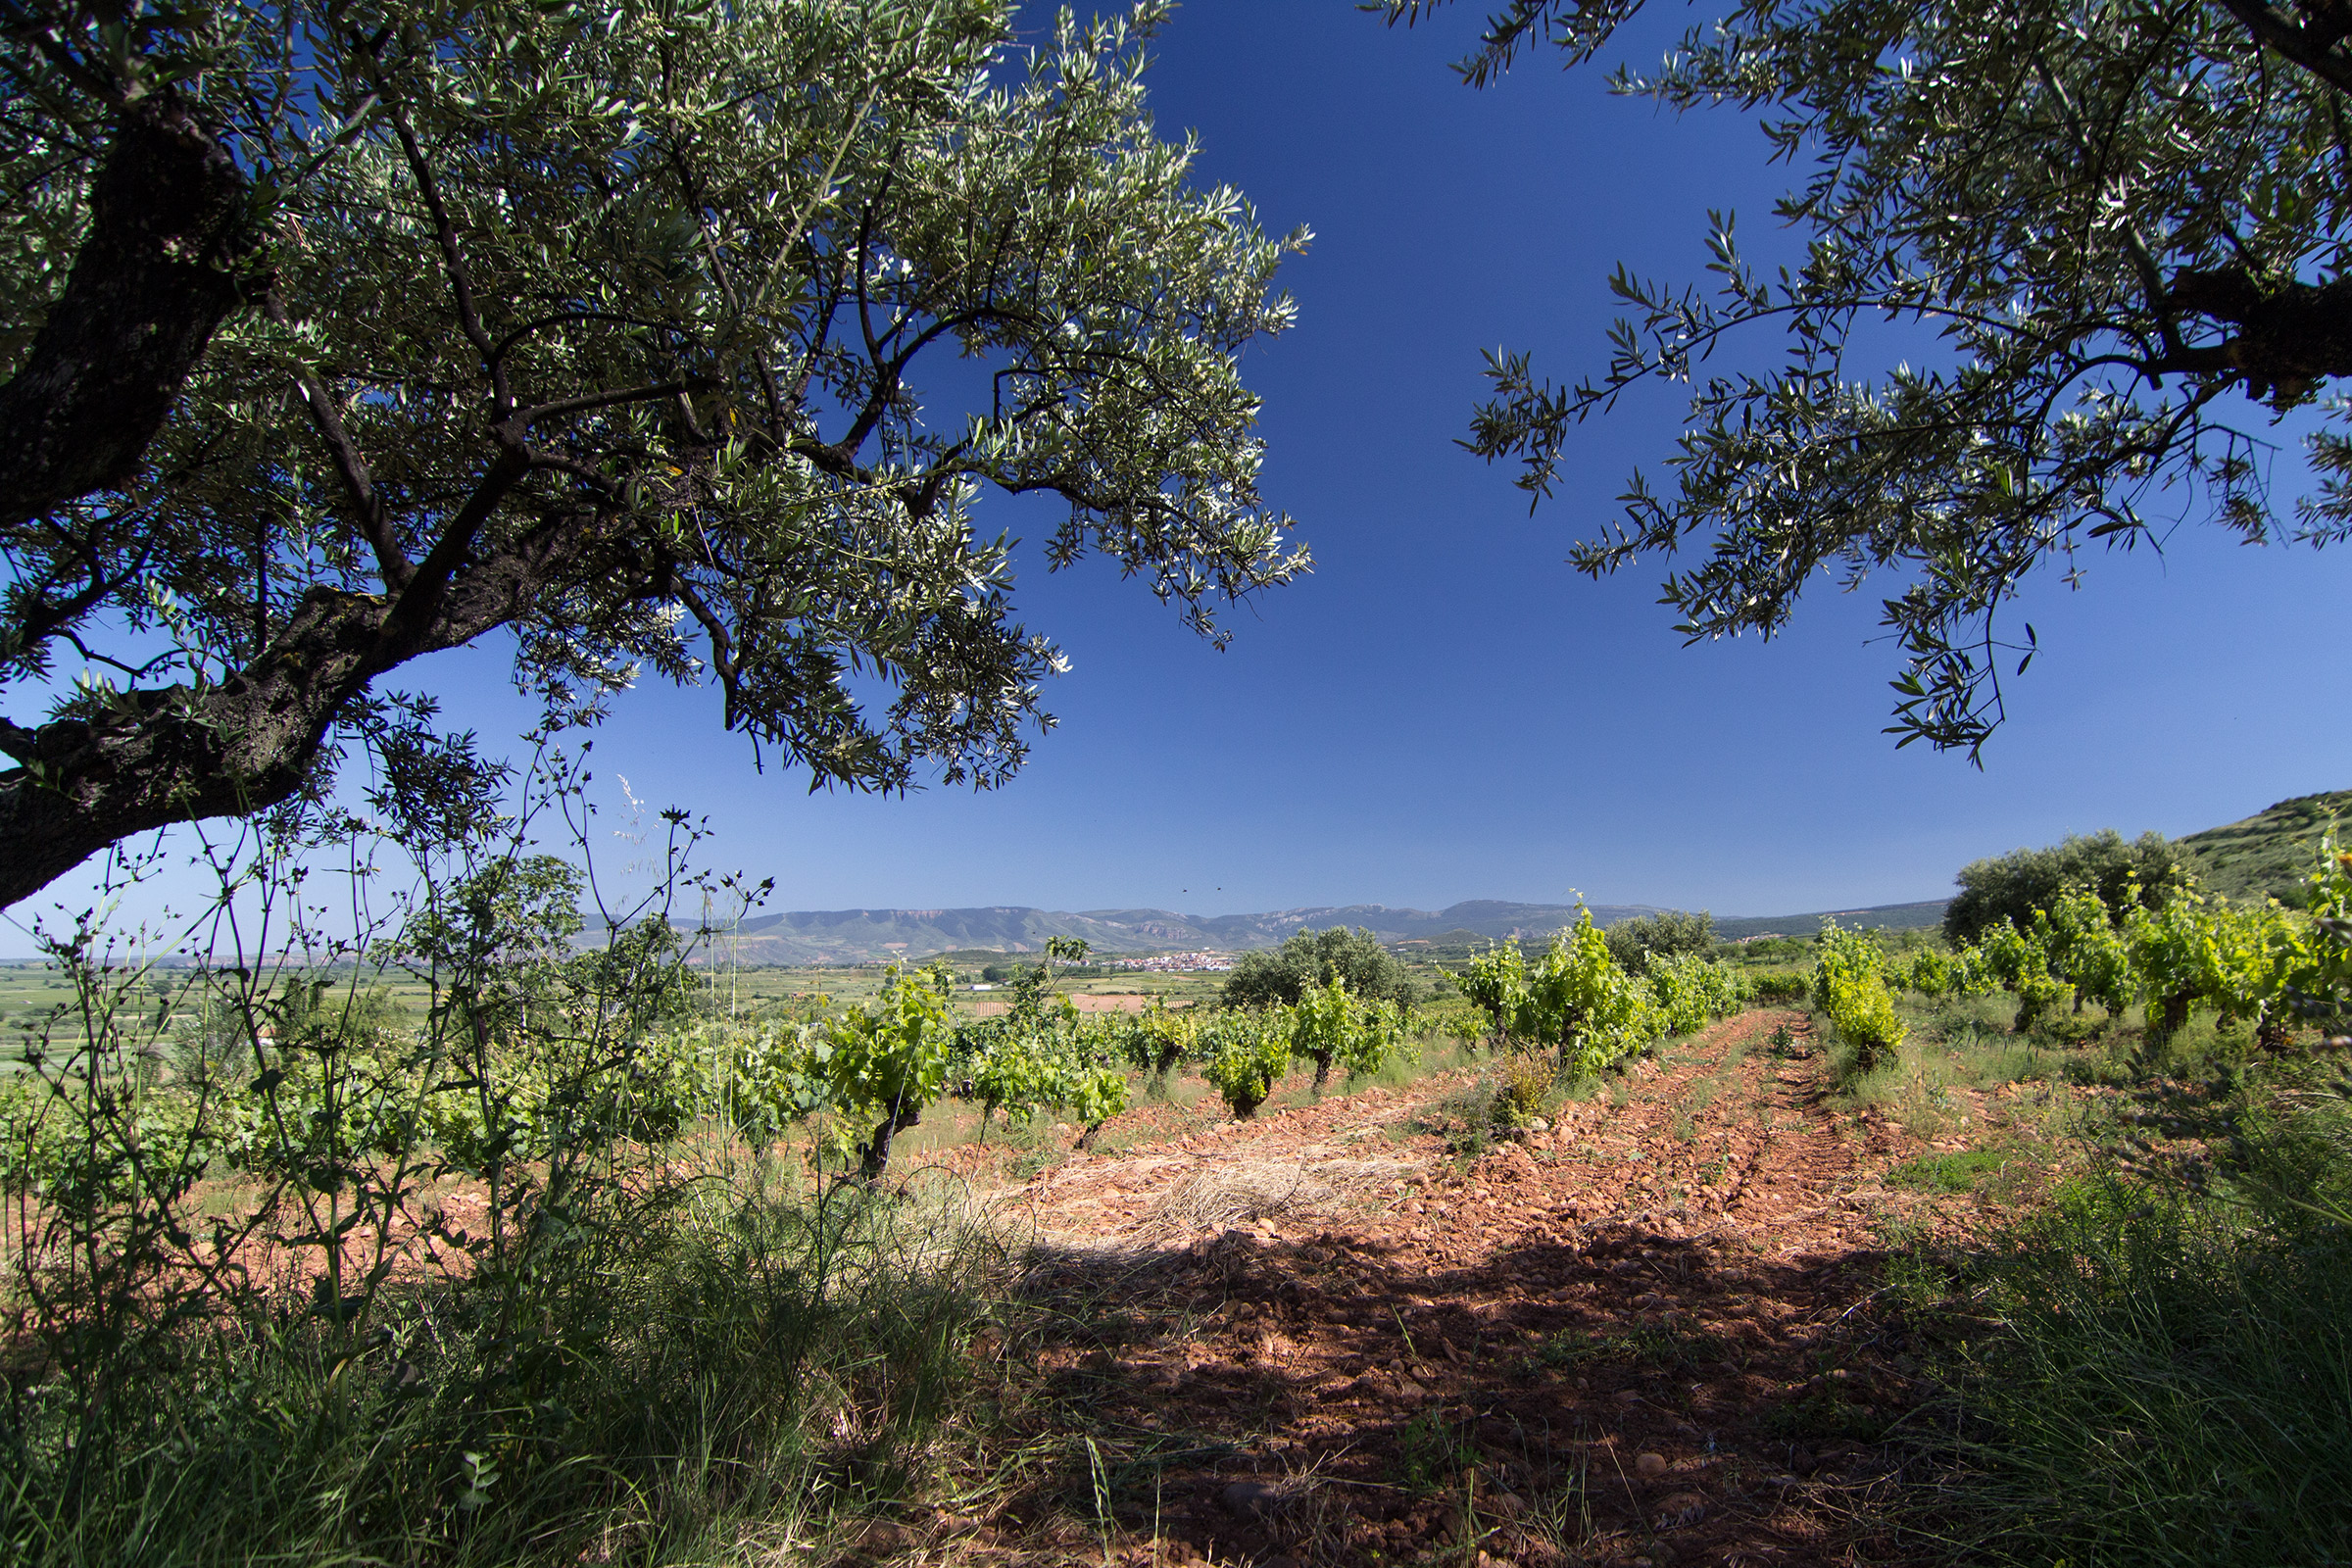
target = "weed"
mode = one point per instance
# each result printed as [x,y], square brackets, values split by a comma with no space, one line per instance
[1824,1413]
[1957,1172]
[1855,1067]
[1432,1452]
[2071,1030]
[1646,1344]
[761,1361]
[1037,1149]
[1522,1084]
[1466,1119]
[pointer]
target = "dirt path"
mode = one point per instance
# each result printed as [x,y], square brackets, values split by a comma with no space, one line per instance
[1332,1334]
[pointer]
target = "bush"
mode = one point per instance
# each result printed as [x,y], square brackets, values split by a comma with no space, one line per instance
[1330,1026]
[2020,961]
[1692,992]
[1578,996]
[1158,1039]
[1310,958]
[2011,887]
[1054,1058]
[889,1059]
[1523,1081]
[2085,950]
[1794,987]
[1670,933]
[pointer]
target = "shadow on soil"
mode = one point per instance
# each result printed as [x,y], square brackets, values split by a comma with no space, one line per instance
[1605,1395]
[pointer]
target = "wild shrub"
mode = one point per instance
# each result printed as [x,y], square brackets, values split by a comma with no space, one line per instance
[1670,933]
[1307,960]
[1523,1082]
[2146,872]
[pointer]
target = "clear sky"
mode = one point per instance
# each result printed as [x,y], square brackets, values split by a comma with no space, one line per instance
[1444,711]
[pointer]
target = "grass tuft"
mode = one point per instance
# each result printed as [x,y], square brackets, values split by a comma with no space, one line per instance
[1956,1172]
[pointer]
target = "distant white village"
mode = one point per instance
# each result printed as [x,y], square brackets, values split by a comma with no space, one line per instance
[1176,963]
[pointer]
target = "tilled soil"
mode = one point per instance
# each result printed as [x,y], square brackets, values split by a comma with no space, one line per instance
[1645,1334]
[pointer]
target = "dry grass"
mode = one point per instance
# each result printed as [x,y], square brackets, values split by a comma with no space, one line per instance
[1243,1192]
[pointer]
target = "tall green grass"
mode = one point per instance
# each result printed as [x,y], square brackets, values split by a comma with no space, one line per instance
[2158,1368]
[719,1382]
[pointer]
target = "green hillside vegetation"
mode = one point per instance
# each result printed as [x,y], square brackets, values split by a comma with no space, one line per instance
[2270,853]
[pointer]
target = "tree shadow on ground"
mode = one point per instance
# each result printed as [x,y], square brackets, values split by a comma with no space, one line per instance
[1609,1395]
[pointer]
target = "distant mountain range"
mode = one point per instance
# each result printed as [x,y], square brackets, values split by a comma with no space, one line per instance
[2268,853]
[857,936]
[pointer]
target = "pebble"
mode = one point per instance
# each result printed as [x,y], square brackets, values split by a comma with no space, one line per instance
[1649,1466]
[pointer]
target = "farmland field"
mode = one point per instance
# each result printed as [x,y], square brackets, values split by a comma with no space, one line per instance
[1837,1250]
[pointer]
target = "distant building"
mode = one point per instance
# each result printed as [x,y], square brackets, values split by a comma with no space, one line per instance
[1177,962]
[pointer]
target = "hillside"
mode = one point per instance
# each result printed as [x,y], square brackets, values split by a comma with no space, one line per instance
[857,936]
[860,936]
[1885,916]
[2270,852]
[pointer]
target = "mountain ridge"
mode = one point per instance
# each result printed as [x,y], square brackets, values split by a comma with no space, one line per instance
[866,935]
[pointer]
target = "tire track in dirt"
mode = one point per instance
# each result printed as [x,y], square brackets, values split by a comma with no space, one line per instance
[1327,1336]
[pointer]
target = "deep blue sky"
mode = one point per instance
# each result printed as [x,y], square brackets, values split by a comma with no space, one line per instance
[1444,711]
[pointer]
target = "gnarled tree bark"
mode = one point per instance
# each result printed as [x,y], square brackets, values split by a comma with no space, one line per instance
[173,231]
[180,753]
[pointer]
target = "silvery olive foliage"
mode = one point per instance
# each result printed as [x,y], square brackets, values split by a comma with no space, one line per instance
[672,337]
[2117,229]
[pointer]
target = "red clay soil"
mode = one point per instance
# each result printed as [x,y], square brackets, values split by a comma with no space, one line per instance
[1644,1335]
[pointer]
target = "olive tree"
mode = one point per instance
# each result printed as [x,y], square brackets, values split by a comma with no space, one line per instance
[342,331]
[2123,220]
[2148,871]
[1307,959]
[1668,933]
